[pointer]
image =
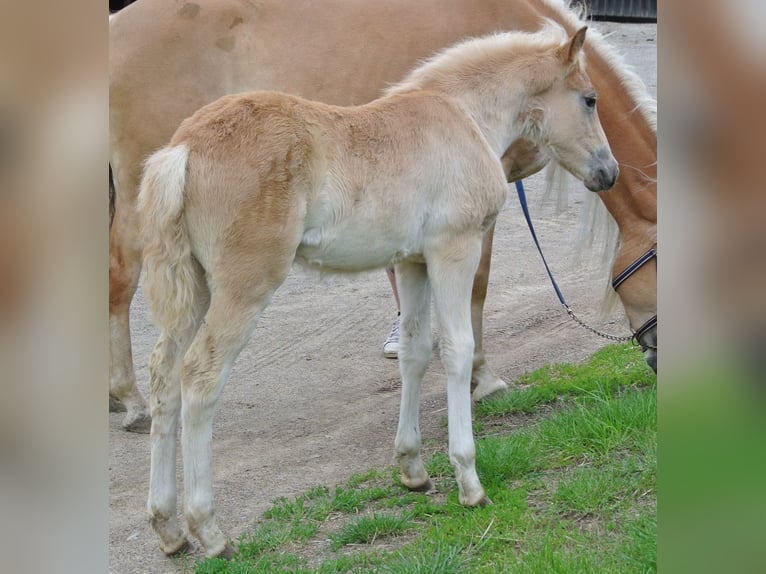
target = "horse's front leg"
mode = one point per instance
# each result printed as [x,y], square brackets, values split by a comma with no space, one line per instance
[414,354]
[451,267]
[483,380]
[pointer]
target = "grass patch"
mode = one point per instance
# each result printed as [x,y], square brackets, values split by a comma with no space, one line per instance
[369,529]
[569,461]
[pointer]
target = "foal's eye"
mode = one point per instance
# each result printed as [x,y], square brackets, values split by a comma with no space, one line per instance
[590,101]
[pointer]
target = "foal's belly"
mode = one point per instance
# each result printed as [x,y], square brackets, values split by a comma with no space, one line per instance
[354,252]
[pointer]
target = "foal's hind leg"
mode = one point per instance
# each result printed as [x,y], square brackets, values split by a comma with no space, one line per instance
[483,380]
[414,354]
[206,367]
[165,402]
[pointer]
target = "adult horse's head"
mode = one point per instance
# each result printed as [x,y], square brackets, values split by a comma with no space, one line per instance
[562,119]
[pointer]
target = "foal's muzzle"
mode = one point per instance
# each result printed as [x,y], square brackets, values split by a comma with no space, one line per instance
[603,169]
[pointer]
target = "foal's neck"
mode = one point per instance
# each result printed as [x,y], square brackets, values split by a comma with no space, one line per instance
[497,113]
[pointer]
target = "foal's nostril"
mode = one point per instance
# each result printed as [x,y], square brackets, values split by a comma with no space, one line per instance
[605,170]
[606,178]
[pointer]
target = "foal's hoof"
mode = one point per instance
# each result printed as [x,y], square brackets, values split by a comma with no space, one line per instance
[184,547]
[116,405]
[227,553]
[479,502]
[484,390]
[139,424]
[485,501]
[426,487]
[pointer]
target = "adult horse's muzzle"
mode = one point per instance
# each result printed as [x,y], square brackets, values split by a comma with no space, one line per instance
[647,338]
[603,170]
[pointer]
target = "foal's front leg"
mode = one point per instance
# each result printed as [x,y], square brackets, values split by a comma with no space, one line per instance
[452,263]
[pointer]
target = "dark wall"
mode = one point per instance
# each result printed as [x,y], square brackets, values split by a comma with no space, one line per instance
[641,10]
[115,5]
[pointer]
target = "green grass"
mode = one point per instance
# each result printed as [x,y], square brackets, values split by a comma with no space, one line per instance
[568,459]
[368,529]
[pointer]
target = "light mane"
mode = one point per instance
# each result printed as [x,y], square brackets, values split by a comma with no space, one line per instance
[477,57]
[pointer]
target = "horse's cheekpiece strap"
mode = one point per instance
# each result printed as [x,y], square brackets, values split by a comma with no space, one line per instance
[633,267]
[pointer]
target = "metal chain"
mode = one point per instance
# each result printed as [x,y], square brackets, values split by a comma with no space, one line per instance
[596,331]
[648,255]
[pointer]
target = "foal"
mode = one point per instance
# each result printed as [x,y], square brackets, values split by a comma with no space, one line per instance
[254,182]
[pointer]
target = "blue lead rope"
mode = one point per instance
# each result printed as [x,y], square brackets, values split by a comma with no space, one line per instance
[525,209]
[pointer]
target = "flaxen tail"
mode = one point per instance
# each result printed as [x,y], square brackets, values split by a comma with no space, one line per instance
[173,275]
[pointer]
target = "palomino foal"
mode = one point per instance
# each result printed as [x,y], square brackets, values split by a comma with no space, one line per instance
[254,182]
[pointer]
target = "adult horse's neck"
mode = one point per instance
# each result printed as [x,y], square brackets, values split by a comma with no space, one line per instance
[631,131]
[633,139]
[632,202]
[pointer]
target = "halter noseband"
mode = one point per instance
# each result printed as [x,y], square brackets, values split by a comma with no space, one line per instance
[622,277]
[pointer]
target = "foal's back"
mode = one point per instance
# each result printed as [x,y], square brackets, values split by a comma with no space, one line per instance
[352,185]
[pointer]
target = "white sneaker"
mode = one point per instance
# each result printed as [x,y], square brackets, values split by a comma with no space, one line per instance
[391,346]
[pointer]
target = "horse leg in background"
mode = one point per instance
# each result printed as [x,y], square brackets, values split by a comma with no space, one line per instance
[520,160]
[483,380]
[452,264]
[124,272]
[414,354]
[115,405]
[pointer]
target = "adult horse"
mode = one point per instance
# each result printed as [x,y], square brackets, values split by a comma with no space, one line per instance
[169,58]
[254,182]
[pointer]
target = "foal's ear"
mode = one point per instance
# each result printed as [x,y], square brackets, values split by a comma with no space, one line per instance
[571,49]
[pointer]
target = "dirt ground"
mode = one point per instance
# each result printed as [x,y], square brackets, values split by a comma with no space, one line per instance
[311,399]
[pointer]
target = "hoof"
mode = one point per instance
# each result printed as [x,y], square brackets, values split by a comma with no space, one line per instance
[426,487]
[140,424]
[184,547]
[485,501]
[227,553]
[480,502]
[485,390]
[116,405]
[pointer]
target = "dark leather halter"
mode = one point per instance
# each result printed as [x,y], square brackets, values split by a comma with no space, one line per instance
[641,332]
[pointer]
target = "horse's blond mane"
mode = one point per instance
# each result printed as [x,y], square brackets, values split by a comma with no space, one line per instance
[478,54]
